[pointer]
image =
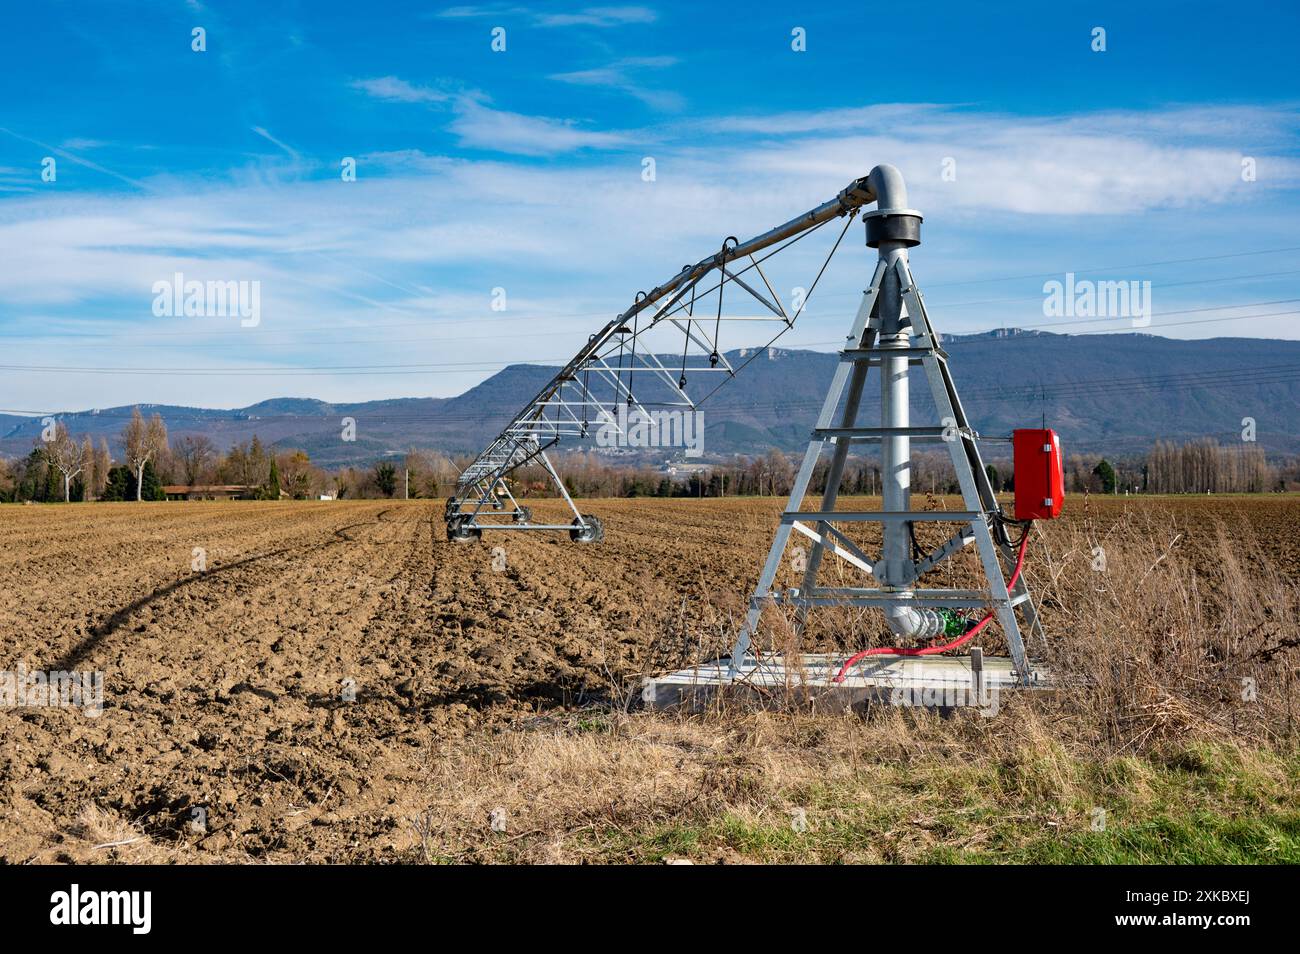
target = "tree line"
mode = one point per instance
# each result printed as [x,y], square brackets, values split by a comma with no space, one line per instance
[1207,466]
[62,467]
[1195,467]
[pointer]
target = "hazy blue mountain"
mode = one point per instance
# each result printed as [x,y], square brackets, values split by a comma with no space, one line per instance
[1108,393]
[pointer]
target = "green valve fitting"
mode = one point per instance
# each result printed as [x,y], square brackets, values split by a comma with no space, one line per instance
[954,624]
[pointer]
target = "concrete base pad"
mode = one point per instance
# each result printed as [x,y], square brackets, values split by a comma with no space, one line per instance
[930,681]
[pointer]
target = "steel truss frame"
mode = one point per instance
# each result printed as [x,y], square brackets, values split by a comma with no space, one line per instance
[980,523]
[610,372]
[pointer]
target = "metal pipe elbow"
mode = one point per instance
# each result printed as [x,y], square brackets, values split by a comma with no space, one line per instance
[887,184]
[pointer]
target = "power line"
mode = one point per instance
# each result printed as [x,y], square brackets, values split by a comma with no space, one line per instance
[253,335]
[597,314]
[1197,281]
[1111,330]
[447,367]
[550,334]
[329,342]
[1222,378]
[1115,268]
[473,366]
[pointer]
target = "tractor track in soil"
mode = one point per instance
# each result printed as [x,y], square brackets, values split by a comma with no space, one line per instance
[290,694]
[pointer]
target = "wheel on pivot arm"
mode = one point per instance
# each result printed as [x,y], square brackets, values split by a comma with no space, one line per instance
[459,531]
[523,515]
[587,529]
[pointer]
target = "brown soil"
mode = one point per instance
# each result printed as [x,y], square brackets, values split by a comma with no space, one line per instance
[227,690]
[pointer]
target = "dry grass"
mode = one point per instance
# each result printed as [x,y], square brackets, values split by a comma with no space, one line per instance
[901,787]
[101,834]
[1173,726]
[1162,643]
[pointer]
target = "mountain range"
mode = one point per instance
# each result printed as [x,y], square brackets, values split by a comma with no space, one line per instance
[1114,394]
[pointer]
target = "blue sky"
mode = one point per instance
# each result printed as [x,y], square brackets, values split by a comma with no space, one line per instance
[522,170]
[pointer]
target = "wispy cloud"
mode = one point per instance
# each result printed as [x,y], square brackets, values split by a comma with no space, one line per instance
[1091,164]
[73,157]
[570,240]
[478,125]
[622,76]
[289,150]
[395,90]
[482,127]
[599,17]
[80,143]
[881,116]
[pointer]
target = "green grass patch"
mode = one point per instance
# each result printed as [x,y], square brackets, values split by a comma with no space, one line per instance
[1201,805]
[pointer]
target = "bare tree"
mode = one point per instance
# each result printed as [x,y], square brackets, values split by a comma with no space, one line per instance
[429,472]
[66,456]
[142,442]
[103,464]
[88,479]
[1204,465]
[194,452]
[296,473]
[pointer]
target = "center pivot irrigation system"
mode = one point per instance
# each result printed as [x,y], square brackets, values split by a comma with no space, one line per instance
[620,369]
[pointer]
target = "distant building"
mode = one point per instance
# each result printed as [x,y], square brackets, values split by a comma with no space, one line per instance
[677,469]
[208,491]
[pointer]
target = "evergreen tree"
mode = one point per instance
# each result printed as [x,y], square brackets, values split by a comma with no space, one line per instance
[1105,473]
[386,478]
[272,489]
[151,487]
[33,477]
[120,485]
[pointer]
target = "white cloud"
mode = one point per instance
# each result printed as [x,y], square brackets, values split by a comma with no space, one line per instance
[396,90]
[600,17]
[80,143]
[72,157]
[289,150]
[1095,164]
[481,127]
[620,76]
[879,116]
[421,239]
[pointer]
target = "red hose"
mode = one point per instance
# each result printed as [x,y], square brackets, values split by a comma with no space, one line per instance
[961,640]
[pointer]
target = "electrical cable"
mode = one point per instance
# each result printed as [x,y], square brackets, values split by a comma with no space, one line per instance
[961,640]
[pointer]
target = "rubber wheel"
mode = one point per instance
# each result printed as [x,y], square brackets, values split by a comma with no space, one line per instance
[523,515]
[587,529]
[459,533]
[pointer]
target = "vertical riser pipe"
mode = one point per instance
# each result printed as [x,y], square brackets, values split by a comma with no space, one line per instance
[895,411]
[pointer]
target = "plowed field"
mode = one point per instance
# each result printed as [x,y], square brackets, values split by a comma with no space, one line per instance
[282,701]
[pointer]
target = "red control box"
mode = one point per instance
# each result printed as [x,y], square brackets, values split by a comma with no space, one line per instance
[1040,474]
